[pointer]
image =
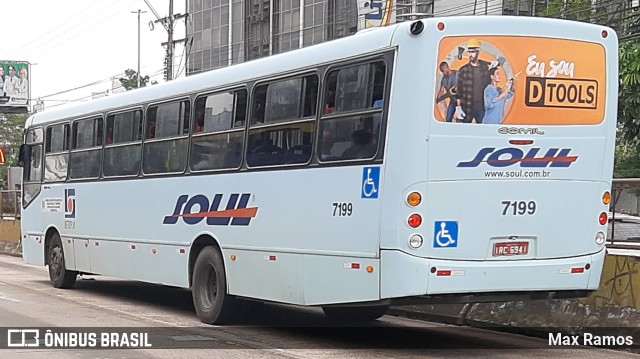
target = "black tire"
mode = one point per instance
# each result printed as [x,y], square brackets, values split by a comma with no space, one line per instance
[209,290]
[355,314]
[59,275]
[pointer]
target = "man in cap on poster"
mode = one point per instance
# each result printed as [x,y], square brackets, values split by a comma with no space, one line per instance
[473,78]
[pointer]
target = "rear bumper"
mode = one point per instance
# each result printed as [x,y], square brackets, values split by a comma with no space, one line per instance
[404,275]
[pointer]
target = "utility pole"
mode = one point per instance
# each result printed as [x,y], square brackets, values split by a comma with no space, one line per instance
[170,43]
[168,23]
[139,12]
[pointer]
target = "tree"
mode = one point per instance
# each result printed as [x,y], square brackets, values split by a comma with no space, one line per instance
[131,80]
[628,93]
[11,133]
[627,162]
[581,10]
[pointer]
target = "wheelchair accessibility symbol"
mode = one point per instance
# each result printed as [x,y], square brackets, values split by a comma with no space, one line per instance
[370,182]
[445,234]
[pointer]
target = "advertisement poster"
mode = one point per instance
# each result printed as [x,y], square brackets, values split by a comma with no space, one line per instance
[14,83]
[520,81]
[376,13]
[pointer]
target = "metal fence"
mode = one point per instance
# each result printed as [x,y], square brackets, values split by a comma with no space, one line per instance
[624,231]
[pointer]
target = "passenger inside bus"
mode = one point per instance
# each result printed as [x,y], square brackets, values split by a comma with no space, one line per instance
[198,126]
[258,113]
[326,145]
[331,102]
[151,129]
[361,146]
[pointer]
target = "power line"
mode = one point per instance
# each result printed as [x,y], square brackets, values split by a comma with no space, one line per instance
[80,87]
[51,32]
[80,31]
[97,82]
[86,97]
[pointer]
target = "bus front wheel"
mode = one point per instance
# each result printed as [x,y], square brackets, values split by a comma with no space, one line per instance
[213,304]
[355,314]
[59,275]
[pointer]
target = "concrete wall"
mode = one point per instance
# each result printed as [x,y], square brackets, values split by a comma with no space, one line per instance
[10,237]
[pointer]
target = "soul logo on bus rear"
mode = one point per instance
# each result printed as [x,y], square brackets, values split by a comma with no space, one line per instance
[561,92]
[509,156]
[195,209]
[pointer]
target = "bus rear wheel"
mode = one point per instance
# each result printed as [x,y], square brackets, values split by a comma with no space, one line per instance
[355,314]
[213,304]
[59,275]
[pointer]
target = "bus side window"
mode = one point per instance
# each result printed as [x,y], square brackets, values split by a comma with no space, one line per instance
[218,145]
[124,143]
[56,152]
[291,105]
[346,134]
[86,153]
[167,128]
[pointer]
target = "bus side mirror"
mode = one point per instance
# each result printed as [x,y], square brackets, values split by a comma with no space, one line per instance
[24,156]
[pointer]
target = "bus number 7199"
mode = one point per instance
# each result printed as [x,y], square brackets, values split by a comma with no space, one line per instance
[342,209]
[519,208]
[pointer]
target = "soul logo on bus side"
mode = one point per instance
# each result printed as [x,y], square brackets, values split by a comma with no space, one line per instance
[193,210]
[504,157]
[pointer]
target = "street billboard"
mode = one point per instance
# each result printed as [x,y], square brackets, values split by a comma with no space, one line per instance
[375,13]
[15,91]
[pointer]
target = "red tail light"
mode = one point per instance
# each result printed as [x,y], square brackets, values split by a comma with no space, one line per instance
[415,220]
[603,218]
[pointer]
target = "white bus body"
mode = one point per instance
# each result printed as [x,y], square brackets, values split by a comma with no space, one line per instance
[506,211]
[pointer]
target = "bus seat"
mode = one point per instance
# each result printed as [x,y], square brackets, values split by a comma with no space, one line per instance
[265,155]
[298,154]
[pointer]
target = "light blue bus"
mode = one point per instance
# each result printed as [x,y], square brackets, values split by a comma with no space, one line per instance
[331,176]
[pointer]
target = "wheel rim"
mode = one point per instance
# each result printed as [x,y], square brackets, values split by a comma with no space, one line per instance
[56,261]
[209,287]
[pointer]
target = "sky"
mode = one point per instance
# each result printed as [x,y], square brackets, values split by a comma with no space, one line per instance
[73,43]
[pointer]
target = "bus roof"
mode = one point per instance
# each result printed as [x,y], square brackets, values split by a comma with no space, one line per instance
[279,63]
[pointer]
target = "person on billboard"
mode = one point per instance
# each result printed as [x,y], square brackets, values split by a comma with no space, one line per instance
[10,83]
[22,89]
[495,97]
[2,94]
[473,78]
[448,89]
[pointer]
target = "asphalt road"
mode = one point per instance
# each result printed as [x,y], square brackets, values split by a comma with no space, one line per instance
[103,304]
